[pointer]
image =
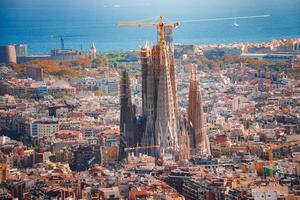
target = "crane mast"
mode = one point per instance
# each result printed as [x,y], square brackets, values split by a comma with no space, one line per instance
[269,151]
[270,155]
[161,25]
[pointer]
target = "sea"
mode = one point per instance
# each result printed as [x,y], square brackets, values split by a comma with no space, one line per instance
[42,23]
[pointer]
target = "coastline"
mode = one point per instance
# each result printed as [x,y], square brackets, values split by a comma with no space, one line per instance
[265,43]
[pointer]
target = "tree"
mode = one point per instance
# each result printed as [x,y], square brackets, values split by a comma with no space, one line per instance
[17,67]
[79,62]
[52,67]
[100,62]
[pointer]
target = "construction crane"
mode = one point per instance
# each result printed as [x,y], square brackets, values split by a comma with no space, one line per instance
[141,147]
[62,43]
[161,27]
[269,150]
[3,171]
[62,39]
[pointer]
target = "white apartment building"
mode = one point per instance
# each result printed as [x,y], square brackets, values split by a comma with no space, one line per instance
[40,129]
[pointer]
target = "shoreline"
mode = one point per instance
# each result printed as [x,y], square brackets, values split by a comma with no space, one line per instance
[265,43]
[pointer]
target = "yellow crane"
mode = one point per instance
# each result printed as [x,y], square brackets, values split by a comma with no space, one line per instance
[161,25]
[3,171]
[269,150]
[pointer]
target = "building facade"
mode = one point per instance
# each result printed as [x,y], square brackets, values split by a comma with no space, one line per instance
[8,54]
[35,72]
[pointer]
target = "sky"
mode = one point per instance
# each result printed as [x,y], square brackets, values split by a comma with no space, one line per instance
[36,21]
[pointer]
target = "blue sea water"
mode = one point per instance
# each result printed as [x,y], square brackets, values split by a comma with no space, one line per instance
[39,23]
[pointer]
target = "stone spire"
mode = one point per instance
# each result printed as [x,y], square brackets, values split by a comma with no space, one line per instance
[166,122]
[199,143]
[128,126]
[145,62]
[159,96]
[183,137]
[93,51]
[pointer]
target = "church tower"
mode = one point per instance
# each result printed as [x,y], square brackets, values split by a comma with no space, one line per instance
[93,51]
[128,122]
[199,140]
[159,101]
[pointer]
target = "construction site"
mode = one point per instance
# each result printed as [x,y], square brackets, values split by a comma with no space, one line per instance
[166,122]
[162,125]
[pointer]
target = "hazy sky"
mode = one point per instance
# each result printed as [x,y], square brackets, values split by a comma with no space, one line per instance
[148,8]
[35,21]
